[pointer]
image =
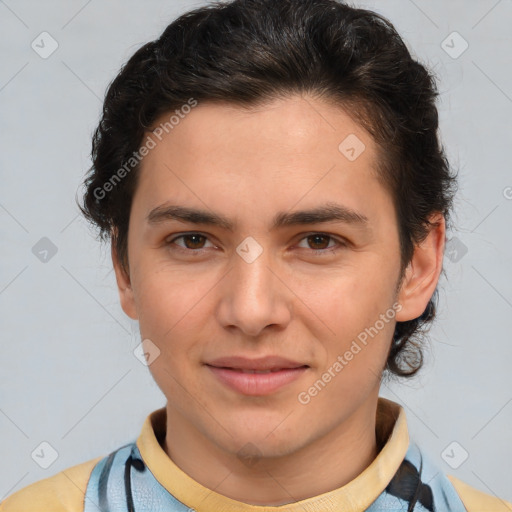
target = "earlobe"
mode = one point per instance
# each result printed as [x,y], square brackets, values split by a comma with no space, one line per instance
[124,287]
[422,274]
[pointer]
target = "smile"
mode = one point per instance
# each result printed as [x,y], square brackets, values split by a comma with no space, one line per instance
[256,382]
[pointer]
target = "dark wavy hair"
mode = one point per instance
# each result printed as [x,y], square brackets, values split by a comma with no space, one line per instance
[248,52]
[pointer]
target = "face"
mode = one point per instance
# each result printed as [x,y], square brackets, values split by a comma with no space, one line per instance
[253,277]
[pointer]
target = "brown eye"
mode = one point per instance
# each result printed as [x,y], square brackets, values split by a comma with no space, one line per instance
[322,243]
[194,241]
[191,242]
[318,241]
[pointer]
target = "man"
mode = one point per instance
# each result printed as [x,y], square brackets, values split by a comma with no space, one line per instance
[270,178]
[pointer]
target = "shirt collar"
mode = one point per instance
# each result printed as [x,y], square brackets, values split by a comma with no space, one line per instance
[356,495]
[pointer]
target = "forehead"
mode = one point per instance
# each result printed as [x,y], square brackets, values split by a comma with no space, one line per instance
[274,155]
[286,127]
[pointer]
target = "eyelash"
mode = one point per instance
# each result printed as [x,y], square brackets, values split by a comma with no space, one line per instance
[315,252]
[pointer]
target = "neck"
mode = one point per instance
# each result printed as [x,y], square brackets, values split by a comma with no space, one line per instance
[321,465]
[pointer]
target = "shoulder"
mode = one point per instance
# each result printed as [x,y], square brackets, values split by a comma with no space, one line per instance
[476,501]
[63,492]
[442,491]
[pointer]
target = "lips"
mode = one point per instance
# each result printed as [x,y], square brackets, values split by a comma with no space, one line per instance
[255,371]
[261,365]
[256,377]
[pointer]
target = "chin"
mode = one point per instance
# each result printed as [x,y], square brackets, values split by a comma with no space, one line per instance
[260,442]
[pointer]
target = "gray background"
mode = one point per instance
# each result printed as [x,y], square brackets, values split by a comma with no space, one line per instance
[68,373]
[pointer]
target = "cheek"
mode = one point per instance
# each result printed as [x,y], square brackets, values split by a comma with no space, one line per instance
[169,312]
[354,296]
[356,317]
[165,299]
[166,317]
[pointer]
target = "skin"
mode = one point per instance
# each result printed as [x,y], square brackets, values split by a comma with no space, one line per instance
[209,302]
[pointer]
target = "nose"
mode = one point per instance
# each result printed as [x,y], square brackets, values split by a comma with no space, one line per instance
[253,296]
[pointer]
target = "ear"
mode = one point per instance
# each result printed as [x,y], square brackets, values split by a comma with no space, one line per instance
[422,273]
[123,285]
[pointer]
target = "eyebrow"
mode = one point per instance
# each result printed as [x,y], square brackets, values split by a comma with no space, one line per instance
[328,212]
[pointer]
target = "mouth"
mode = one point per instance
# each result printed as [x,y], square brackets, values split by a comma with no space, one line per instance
[260,364]
[273,370]
[255,380]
